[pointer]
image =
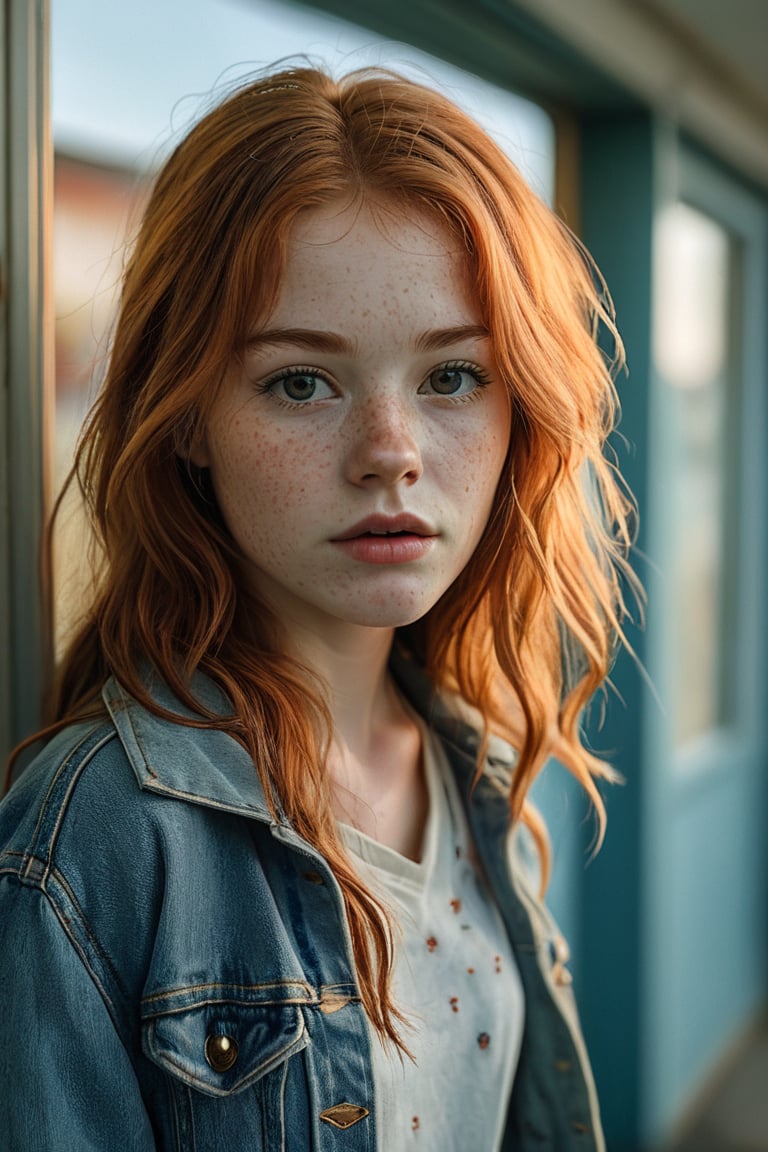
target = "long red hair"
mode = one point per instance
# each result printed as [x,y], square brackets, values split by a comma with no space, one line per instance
[526,633]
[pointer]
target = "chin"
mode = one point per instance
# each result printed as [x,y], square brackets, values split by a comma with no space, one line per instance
[391,615]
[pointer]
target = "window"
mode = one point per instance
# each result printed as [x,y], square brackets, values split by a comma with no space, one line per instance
[694,353]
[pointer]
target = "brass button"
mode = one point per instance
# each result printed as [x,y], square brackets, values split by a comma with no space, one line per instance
[220,1052]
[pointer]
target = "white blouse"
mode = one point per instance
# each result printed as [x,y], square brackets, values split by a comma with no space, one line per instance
[456,979]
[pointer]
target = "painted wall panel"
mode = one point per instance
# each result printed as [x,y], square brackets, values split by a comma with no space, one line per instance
[617,210]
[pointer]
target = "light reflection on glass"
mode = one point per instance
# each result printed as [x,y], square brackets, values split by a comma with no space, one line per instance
[693,325]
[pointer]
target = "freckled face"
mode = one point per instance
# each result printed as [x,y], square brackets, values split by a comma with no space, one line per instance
[356,446]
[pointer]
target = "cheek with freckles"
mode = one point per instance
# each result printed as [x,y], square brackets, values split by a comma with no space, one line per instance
[265,482]
[470,472]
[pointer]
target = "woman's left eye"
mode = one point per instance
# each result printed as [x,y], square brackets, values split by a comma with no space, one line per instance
[454,380]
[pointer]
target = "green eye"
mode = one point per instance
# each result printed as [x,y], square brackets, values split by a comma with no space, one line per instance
[449,381]
[299,387]
[454,380]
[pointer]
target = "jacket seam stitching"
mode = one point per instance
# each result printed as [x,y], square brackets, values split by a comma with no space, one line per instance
[32,852]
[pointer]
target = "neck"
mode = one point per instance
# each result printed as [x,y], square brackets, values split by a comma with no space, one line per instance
[375,757]
[352,665]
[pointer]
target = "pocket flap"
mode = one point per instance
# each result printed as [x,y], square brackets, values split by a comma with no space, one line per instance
[221,1048]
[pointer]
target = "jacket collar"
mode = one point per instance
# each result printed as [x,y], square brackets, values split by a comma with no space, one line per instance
[202,765]
[209,767]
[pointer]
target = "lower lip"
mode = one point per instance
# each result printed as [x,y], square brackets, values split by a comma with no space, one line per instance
[386,549]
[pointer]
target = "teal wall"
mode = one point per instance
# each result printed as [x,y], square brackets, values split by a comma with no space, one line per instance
[617,194]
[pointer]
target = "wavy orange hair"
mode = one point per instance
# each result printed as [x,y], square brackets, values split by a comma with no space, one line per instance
[526,633]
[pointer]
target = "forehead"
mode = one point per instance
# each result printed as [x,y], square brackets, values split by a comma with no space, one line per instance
[374,221]
[368,258]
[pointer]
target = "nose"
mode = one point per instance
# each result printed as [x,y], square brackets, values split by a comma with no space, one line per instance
[384,444]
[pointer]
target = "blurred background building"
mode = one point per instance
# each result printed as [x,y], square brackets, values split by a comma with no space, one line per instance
[645,124]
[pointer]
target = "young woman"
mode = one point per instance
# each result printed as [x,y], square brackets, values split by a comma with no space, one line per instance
[361,568]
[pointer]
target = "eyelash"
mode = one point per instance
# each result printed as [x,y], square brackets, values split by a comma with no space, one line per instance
[481,377]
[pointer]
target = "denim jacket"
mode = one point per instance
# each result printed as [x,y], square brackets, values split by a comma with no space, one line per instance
[176,967]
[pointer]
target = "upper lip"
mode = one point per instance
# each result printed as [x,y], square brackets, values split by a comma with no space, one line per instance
[381,524]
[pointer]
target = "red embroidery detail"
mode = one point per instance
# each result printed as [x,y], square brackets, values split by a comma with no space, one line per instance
[471,971]
[497,961]
[415,1124]
[483,1040]
[456,905]
[454,1003]
[431,943]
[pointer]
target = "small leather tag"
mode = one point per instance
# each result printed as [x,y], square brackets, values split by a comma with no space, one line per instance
[343,1115]
[333,1001]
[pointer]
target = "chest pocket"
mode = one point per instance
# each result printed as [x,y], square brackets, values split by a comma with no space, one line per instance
[221,1048]
[229,1066]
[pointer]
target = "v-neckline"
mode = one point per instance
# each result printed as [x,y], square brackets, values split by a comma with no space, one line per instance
[380,856]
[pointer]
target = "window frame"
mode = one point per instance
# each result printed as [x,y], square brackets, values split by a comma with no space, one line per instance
[25,366]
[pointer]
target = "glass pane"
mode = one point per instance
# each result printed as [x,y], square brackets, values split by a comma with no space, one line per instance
[111,130]
[93,206]
[694,342]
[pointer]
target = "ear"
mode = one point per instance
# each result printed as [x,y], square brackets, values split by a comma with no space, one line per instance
[191,445]
[197,452]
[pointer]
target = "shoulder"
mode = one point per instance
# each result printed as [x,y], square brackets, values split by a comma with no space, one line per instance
[78,831]
[74,837]
[111,805]
[102,784]
[116,826]
[37,806]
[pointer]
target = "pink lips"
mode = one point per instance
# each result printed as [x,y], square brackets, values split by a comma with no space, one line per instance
[380,539]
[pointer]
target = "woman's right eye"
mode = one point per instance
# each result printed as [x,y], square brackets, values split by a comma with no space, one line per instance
[298,387]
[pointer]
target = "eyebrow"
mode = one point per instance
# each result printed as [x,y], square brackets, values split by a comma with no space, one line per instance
[442,337]
[335,344]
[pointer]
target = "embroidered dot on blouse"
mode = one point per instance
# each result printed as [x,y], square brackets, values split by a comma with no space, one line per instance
[431,943]
[454,1003]
[483,1040]
[456,905]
